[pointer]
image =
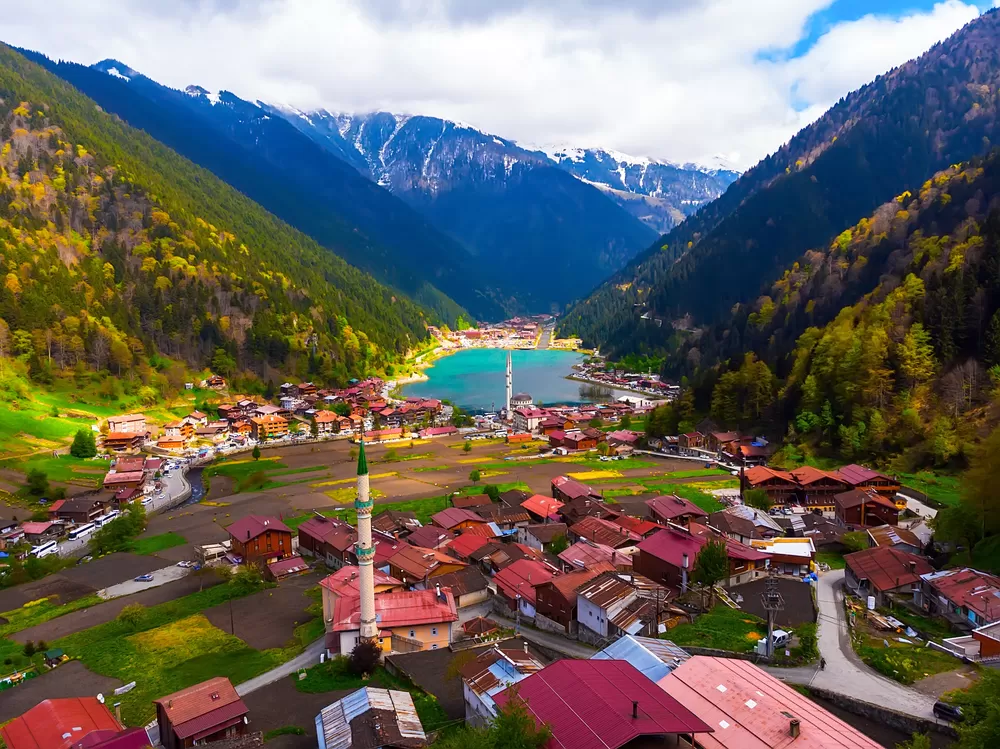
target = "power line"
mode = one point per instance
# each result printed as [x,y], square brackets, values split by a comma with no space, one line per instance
[773,603]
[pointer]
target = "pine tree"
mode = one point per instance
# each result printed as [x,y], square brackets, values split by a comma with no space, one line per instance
[84,444]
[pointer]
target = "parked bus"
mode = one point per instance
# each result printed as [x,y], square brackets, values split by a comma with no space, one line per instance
[45,549]
[103,520]
[81,531]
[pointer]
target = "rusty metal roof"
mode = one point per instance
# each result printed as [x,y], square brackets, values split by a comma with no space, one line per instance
[370,718]
[606,589]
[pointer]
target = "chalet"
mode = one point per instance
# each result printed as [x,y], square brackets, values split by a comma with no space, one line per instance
[516,584]
[897,538]
[116,480]
[40,532]
[408,620]
[197,419]
[668,557]
[467,585]
[216,431]
[179,430]
[542,508]
[967,598]
[329,539]
[207,712]
[371,717]
[491,673]
[128,424]
[715,441]
[691,441]
[781,487]
[583,507]
[215,382]
[81,510]
[859,477]
[817,488]
[260,539]
[864,508]
[289,389]
[556,600]
[456,519]
[124,441]
[395,523]
[268,427]
[540,536]
[566,489]
[884,571]
[603,532]
[674,509]
[430,537]
[327,422]
[414,564]
[129,464]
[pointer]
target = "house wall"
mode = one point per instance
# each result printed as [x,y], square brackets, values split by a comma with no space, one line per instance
[265,548]
[988,647]
[658,570]
[591,616]
[472,598]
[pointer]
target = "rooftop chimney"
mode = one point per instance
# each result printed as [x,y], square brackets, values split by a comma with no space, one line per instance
[793,728]
[635,710]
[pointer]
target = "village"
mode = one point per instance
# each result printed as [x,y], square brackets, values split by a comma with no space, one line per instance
[557,549]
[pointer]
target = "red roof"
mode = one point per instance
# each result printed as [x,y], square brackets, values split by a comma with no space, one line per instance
[636,525]
[760,474]
[203,707]
[572,489]
[671,506]
[252,526]
[604,532]
[541,505]
[466,544]
[58,724]
[346,581]
[588,705]
[752,709]
[971,589]
[521,577]
[430,536]
[887,568]
[33,528]
[337,533]
[855,474]
[123,477]
[54,507]
[808,475]
[287,566]
[584,554]
[450,517]
[671,545]
[404,608]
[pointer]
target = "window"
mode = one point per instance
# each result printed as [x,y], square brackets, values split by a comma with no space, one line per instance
[411,633]
[434,631]
[434,646]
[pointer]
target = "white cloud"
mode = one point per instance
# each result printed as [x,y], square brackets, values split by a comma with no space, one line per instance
[677,79]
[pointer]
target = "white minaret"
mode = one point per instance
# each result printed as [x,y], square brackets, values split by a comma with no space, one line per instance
[365,551]
[510,383]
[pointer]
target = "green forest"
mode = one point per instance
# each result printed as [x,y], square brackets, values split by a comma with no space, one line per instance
[116,251]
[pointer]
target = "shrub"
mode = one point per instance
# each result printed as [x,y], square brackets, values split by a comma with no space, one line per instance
[84,444]
[132,615]
[364,658]
[29,648]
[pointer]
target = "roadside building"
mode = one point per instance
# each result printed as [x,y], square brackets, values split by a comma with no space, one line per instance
[528,419]
[491,673]
[456,519]
[40,532]
[749,708]
[69,723]
[781,487]
[268,427]
[540,536]
[556,600]
[260,539]
[817,488]
[415,564]
[468,585]
[882,572]
[541,508]
[789,556]
[327,422]
[181,430]
[897,538]
[408,620]
[124,441]
[653,657]
[603,532]
[691,441]
[566,489]
[860,477]
[371,718]
[81,510]
[516,584]
[967,598]
[329,539]
[128,424]
[206,712]
[864,508]
[674,509]
[117,480]
[604,704]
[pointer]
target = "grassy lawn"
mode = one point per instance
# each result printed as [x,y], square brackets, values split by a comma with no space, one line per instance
[941,488]
[903,662]
[334,675]
[723,628]
[427,469]
[65,469]
[690,492]
[832,559]
[153,544]
[699,473]
[933,628]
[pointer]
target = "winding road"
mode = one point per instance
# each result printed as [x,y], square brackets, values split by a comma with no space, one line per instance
[845,673]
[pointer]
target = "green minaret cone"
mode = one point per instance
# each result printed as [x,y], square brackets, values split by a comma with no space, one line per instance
[362,461]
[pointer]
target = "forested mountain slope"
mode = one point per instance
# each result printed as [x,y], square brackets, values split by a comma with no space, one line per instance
[302,183]
[886,342]
[538,234]
[879,141]
[113,248]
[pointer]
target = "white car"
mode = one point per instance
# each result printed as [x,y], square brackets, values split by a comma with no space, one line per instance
[185,564]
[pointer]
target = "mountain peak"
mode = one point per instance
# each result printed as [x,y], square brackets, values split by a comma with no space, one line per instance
[196,91]
[116,69]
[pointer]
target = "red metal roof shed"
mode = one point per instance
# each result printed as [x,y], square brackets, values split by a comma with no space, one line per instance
[589,705]
[58,724]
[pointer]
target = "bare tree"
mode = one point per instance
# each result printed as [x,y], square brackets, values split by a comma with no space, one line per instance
[100,347]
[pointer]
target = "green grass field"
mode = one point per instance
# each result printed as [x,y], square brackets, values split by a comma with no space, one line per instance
[832,559]
[153,544]
[702,499]
[941,488]
[723,628]
[903,662]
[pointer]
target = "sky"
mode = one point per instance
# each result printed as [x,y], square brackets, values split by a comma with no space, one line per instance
[682,80]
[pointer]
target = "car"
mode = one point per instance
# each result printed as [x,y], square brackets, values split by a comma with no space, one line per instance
[144,579]
[946,711]
[185,564]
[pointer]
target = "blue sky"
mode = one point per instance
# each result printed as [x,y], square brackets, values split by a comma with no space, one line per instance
[682,80]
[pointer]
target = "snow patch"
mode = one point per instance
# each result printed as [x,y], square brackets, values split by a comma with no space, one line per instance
[115,73]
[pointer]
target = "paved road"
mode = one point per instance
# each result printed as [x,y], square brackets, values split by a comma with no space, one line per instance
[308,657]
[160,577]
[549,640]
[845,673]
[918,507]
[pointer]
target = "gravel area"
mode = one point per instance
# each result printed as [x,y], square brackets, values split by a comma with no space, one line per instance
[281,704]
[53,585]
[796,594]
[112,569]
[267,619]
[72,679]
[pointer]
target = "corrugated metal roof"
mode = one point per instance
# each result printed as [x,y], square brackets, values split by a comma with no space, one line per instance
[750,709]
[605,590]
[187,705]
[653,658]
[588,705]
[672,506]
[58,723]
[541,505]
[395,717]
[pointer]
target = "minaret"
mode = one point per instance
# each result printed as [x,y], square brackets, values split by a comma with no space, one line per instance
[510,383]
[365,551]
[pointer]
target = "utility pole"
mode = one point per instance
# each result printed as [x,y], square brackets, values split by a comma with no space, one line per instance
[773,603]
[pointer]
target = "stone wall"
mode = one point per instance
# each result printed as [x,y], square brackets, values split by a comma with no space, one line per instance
[589,636]
[899,721]
[545,624]
[500,607]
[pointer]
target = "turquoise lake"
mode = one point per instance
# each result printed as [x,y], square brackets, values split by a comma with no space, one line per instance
[474,378]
